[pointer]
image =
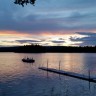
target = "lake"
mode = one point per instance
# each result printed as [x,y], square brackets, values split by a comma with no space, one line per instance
[25,79]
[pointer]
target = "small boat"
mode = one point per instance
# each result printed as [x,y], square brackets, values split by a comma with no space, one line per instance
[28,60]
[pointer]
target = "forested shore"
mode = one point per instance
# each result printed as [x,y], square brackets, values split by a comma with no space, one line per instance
[48,49]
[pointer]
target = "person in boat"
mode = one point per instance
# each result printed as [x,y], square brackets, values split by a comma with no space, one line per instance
[27,58]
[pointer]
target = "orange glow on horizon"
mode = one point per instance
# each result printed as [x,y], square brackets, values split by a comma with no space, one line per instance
[43,33]
[8,37]
[12,33]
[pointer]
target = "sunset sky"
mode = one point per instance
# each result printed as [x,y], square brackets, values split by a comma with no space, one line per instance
[49,22]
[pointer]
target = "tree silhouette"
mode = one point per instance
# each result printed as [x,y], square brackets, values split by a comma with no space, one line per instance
[22,2]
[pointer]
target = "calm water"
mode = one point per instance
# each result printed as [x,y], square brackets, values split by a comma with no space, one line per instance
[23,79]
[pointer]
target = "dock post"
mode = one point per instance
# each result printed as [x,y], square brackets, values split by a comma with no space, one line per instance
[89,78]
[47,69]
[47,64]
[59,69]
[59,65]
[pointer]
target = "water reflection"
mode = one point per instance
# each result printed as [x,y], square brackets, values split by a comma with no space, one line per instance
[73,62]
[11,64]
[23,79]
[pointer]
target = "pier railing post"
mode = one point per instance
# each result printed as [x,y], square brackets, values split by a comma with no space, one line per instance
[59,69]
[47,65]
[47,69]
[59,65]
[89,78]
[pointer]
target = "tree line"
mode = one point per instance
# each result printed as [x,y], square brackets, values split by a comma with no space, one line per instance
[48,49]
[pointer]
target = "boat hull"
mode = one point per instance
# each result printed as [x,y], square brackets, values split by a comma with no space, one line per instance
[28,61]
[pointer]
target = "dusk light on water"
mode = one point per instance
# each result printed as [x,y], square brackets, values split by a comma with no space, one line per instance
[18,78]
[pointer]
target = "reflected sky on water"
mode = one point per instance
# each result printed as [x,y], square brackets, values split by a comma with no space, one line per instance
[24,79]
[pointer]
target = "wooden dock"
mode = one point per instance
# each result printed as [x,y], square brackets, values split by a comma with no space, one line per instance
[71,74]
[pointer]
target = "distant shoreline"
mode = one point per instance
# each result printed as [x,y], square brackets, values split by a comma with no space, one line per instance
[49,49]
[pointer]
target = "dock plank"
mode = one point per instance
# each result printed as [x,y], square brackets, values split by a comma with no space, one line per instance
[71,74]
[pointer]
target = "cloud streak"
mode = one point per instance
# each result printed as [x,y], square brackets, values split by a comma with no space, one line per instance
[88,40]
[29,21]
[27,41]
